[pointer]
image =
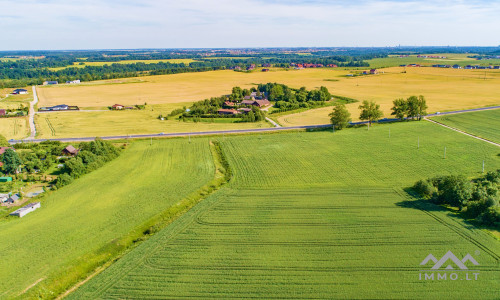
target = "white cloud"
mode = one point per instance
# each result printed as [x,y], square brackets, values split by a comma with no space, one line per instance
[56,24]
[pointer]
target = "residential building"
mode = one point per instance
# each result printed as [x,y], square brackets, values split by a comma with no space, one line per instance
[19,92]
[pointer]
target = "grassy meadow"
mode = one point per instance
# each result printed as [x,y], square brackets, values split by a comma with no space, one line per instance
[485,124]
[14,128]
[316,215]
[105,123]
[80,223]
[8,101]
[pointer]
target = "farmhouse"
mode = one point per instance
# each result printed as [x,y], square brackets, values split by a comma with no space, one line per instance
[373,71]
[259,103]
[19,92]
[73,81]
[26,209]
[50,82]
[70,151]
[245,110]
[3,112]
[224,111]
[118,107]
[58,108]
[229,104]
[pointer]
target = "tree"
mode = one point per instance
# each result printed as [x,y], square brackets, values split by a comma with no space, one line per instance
[400,108]
[412,107]
[340,117]
[421,107]
[11,161]
[3,141]
[370,111]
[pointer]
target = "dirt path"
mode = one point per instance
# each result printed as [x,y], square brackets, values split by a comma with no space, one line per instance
[463,132]
[32,115]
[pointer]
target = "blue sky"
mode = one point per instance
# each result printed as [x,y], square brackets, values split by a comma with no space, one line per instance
[119,24]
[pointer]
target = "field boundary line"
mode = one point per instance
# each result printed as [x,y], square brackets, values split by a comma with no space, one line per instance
[463,132]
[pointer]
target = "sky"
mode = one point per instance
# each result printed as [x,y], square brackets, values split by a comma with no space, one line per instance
[132,24]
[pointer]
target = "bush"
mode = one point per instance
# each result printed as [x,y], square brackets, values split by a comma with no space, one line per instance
[425,189]
[491,217]
[62,180]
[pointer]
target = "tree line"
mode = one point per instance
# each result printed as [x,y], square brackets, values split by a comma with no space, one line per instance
[413,108]
[476,199]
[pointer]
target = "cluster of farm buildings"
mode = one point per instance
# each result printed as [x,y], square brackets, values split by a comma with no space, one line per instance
[53,82]
[61,107]
[305,66]
[231,108]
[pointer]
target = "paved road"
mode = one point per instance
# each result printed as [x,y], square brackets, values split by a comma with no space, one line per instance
[142,136]
[32,115]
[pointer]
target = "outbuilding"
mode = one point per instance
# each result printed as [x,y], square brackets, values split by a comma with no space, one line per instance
[70,150]
[19,92]
[26,209]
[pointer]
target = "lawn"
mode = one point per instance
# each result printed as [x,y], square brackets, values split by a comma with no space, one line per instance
[485,124]
[445,89]
[14,128]
[316,215]
[106,123]
[79,223]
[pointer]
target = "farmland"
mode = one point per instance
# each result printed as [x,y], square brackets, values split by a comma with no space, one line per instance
[14,128]
[105,123]
[83,223]
[316,215]
[451,59]
[445,89]
[484,124]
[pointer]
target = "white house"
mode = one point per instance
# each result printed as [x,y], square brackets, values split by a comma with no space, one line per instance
[4,197]
[26,209]
[73,81]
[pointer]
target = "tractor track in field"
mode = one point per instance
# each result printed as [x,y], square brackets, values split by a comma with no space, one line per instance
[463,132]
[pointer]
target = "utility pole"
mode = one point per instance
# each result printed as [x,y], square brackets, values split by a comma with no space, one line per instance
[418,143]
[151,144]
[483,166]
[444,152]
[389,133]
[333,128]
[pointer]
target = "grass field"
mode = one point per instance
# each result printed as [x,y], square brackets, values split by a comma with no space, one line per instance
[485,124]
[316,215]
[102,63]
[80,221]
[14,128]
[88,124]
[8,101]
[444,89]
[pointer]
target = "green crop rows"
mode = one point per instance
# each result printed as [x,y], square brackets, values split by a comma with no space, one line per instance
[484,124]
[316,215]
[81,223]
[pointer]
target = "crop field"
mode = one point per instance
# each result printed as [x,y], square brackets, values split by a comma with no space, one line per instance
[102,63]
[78,223]
[8,101]
[316,215]
[105,123]
[485,124]
[444,89]
[14,128]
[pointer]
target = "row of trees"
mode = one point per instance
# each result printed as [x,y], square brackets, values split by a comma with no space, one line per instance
[412,108]
[476,199]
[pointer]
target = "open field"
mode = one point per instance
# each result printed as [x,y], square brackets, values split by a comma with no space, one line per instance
[102,63]
[485,124]
[14,128]
[316,215]
[8,101]
[80,222]
[444,89]
[89,124]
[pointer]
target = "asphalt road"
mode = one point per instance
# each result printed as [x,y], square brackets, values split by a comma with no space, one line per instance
[180,134]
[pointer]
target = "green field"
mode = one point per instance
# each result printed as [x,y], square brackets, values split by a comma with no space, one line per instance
[80,224]
[451,59]
[316,215]
[485,124]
